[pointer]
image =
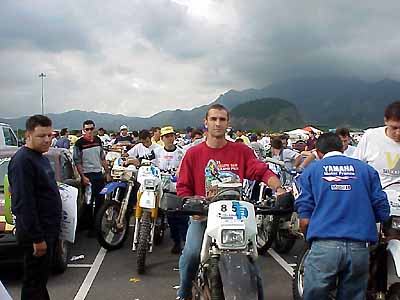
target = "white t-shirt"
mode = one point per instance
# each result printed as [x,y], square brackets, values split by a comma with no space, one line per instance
[287,156]
[140,150]
[349,151]
[105,139]
[168,160]
[381,152]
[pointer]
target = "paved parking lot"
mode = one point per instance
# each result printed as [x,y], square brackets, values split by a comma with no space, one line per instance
[105,275]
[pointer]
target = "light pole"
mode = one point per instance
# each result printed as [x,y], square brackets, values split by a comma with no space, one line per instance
[42,75]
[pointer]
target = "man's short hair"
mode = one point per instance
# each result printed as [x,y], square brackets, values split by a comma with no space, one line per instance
[144,134]
[284,136]
[343,131]
[328,142]
[196,131]
[152,129]
[63,131]
[101,129]
[37,120]
[276,143]
[135,133]
[88,122]
[253,137]
[218,107]
[392,111]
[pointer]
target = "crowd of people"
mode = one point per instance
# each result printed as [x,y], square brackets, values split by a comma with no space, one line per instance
[336,214]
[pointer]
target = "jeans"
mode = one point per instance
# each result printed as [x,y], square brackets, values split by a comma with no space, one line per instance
[336,264]
[36,272]
[89,213]
[190,260]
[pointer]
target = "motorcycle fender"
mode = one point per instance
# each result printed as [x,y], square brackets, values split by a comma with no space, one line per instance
[147,200]
[238,276]
[112,186]
[393,248]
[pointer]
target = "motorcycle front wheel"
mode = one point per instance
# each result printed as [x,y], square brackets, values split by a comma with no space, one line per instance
[143,243]
[109,234]
[283,241]
[266,233]
[298,278]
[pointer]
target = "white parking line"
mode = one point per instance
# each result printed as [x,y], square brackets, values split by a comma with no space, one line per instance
[80,265]
[281,261]
[91,275]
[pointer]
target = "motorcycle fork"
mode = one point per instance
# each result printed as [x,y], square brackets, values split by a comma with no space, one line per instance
[124,206]
[138,215]
[154,216]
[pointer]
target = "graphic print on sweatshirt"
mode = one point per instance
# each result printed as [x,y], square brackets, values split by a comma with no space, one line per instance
[214,174]
[339,173]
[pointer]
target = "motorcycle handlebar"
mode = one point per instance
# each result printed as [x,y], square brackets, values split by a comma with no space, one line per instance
[273,211]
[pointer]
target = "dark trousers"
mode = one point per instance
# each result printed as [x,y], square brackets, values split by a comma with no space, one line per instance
[178,226]
[37,271]
[90,211]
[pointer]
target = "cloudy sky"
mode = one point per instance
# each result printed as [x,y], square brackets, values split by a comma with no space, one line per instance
[138,57]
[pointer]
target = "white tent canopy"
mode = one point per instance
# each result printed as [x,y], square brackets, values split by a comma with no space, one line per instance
[298,134]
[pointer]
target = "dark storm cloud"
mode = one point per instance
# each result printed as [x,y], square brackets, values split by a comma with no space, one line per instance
[115,54]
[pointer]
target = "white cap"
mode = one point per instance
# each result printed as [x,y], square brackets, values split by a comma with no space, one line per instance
[123,127]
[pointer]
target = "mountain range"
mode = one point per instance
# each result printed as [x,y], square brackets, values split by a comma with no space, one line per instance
[327,102]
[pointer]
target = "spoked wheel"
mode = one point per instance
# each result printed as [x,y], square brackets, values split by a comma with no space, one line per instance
[298,279]
[265,234]
[143,244]
[109,234]
[283,241]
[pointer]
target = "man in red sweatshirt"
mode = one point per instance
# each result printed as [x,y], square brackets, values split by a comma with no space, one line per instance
[235,157]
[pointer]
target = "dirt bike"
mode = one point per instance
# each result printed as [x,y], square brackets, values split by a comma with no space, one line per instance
[260,195]
[227,262]
[384,270]
[112,219]
[285,228]
[150,221]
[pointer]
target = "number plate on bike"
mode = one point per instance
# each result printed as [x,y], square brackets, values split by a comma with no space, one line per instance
[232,211]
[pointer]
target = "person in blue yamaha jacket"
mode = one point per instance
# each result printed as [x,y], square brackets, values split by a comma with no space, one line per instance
[340,202]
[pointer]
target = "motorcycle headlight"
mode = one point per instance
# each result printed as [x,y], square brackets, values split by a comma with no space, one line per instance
[396,223]
[150,184]
[233,237]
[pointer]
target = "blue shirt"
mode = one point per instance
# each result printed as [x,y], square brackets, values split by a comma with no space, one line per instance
[343,198]
[63,143]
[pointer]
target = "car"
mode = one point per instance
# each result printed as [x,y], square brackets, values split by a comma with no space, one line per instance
[65,172]
[8,139]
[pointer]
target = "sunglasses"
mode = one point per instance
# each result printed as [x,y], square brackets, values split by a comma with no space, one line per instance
[89,129]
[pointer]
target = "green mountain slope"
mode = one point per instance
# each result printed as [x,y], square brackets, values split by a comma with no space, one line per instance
[268,113]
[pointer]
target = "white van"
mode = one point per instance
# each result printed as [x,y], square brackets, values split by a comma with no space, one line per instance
[8,139]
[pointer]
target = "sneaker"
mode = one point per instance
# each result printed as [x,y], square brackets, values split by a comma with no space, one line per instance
[181,298]
[176,249]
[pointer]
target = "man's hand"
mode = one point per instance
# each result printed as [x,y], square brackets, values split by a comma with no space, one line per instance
[280,191]
[133,161]
[85,181]
[303,225]
[39,249]
[108,177]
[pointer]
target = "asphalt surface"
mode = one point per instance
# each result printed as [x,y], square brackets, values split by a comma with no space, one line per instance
[116,277]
